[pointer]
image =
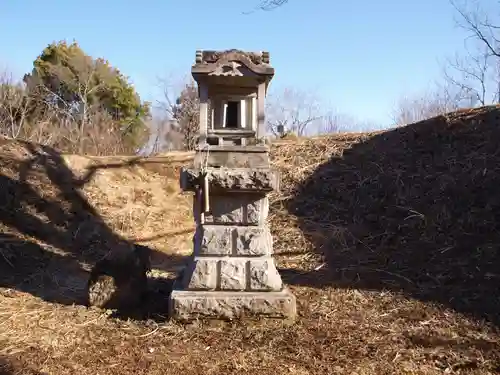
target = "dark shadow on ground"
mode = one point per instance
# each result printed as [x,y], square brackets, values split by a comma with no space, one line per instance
[9,367]
[48,235]
[413,210]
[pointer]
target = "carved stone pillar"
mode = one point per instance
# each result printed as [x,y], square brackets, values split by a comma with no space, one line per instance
[261,108]
[203,113]
[232,272]
[254,114]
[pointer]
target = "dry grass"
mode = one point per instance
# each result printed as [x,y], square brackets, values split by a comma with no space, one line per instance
[389,241]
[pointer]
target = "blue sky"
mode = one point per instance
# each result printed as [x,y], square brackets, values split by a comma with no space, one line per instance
[360,55]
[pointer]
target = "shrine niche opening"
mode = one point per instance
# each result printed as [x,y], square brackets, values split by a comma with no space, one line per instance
[231,115]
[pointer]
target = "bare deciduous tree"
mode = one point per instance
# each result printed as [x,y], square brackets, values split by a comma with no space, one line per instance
[293,111]
[14,106]
[180,110]
[165,136]
[336,122]
[86,129]
[187,115]
[416,108]
[470,75]
[476,70]
[331,123]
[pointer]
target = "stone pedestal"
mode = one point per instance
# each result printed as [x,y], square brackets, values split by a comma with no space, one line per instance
[232,273]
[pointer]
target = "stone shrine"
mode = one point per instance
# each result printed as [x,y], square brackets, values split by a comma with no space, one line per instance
[231,273]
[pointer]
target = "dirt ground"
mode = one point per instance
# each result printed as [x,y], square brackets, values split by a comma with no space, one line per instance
[389,240]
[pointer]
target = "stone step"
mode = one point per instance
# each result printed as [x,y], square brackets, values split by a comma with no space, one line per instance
[191,305]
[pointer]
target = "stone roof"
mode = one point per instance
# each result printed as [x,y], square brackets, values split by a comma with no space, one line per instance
[211,56]
[209,60]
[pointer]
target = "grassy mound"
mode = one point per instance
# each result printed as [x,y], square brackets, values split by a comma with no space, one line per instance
[389,241]
[413,210]
[62,213]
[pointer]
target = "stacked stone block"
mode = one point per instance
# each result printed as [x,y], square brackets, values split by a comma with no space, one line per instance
[232,272]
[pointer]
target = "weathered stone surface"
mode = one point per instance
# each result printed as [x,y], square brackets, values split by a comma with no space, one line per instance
[232,274]
[213,240]
[256,212]
[239,179]
[201,275]
[247,209]
[214,56]
[264,276]
[188,305]
[220,240]
[208,61]
[252,241]
[233,157]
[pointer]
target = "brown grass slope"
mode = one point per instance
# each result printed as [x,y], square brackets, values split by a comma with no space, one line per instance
[389,241]
[62,213]
[415,210]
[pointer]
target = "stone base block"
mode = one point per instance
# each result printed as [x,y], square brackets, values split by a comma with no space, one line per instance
[231,274]
[191,305]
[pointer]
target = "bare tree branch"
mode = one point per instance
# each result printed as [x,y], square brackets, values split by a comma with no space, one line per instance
[335,122]
[479,26]
[426,105]
[14,106]
[293,111]
[34,117]
[179,109]
[471,77]
[267,5]
[477,72]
